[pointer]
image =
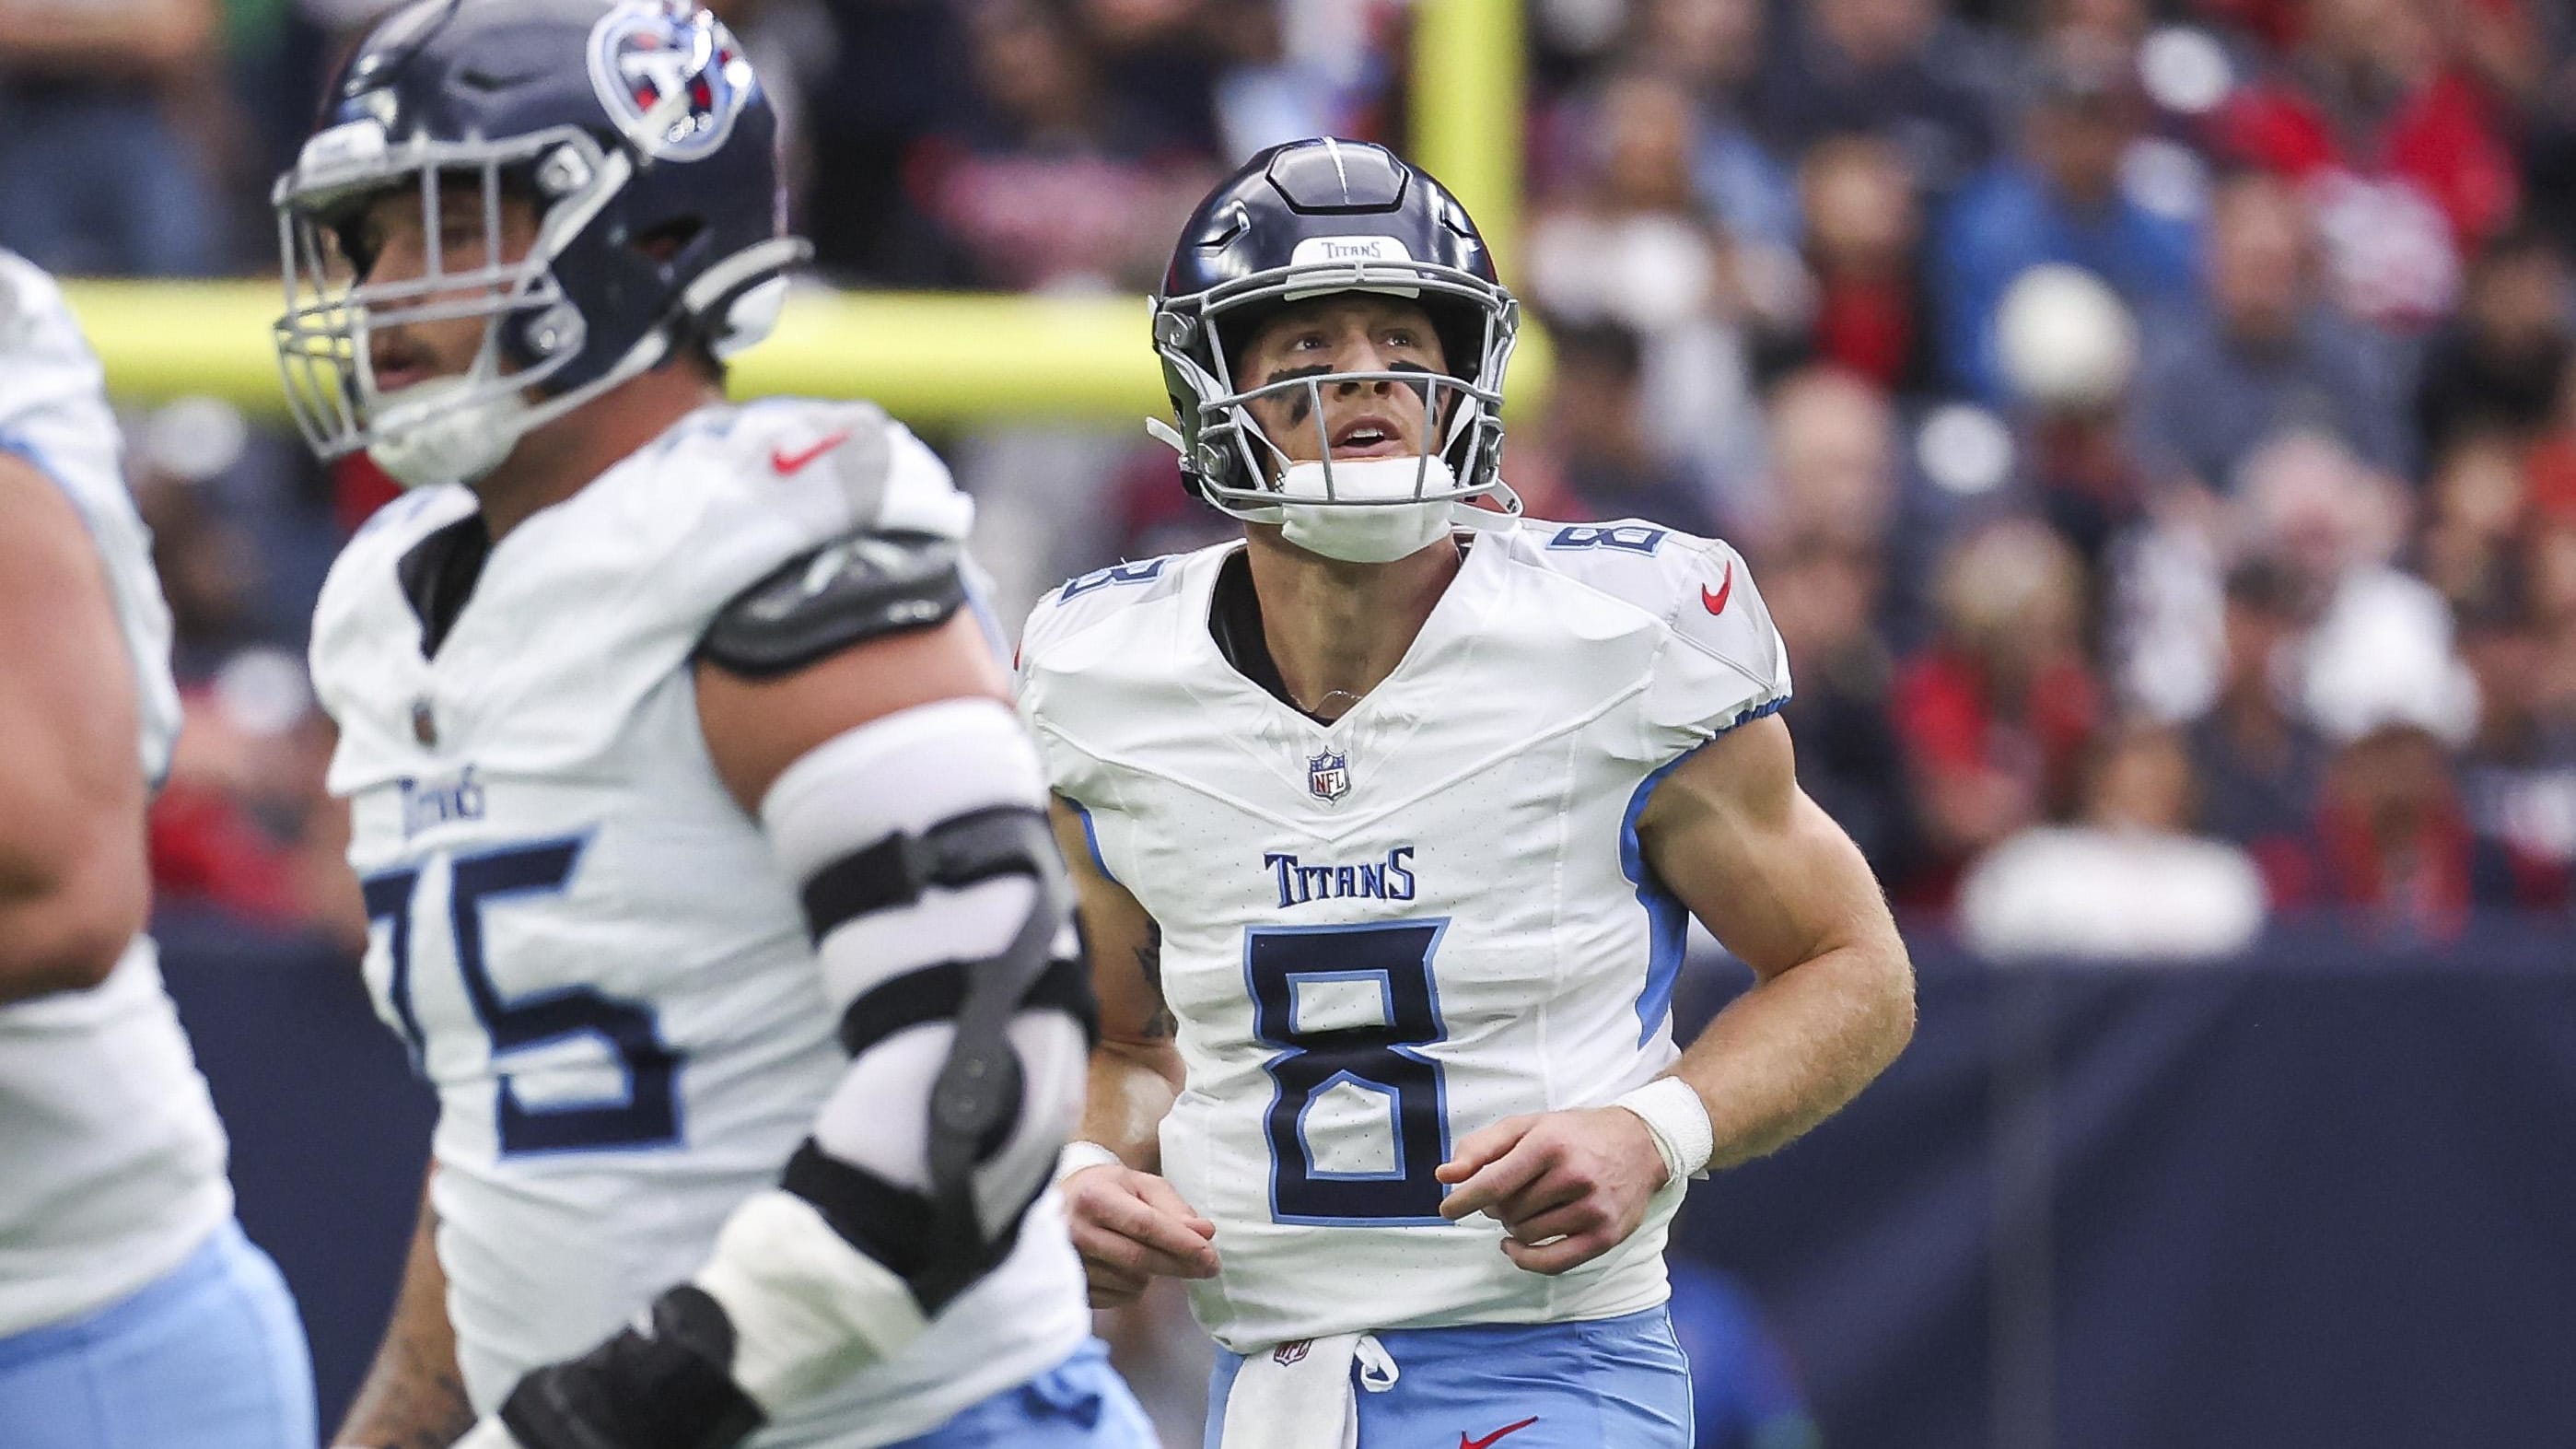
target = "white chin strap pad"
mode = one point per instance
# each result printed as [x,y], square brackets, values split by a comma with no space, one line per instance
[1367,510]
[439,432]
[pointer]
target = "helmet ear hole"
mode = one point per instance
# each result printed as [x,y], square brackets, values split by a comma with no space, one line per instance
[666,243]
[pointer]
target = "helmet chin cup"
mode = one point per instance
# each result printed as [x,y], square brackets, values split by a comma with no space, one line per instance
[1366,510]
[439,431]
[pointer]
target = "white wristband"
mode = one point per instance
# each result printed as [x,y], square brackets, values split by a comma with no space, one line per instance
[1678,1121]
[1079,1154]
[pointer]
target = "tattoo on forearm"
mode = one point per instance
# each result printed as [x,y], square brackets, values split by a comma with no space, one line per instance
[1149,958]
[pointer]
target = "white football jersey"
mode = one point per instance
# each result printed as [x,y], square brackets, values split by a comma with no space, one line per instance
[583,937]
[114,1163]
[1382,934]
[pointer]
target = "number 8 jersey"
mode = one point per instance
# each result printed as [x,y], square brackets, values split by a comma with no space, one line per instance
[1385,933]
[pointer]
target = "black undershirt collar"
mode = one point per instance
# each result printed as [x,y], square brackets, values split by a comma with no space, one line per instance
[439,573]
[1234,622]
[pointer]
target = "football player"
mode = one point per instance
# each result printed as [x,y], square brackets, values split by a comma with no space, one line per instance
[1385,822]
[133,1313]
[710,873]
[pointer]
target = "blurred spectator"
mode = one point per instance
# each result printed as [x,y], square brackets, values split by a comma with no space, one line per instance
[2396,847]
[1870,313]
[1900,69]
[1995,714]
[896,72]
[2065,350]
[2519,776]
[2474,516]
[1159,55]
[2059,200]
[1850,760]
[1714,47]
[2127,881]
[95,176]
[210,572]
[2267,357]
[2324,526]
[1629,243]
[2379,677]
[2323,515]
[1832,481]
[2498,363]
[1595,459]
[2259,763]
[1055,178]
[243,823]
[2397,144]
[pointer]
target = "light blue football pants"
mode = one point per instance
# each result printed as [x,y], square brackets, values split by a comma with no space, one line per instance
[1081,1403]
[1621,1382]
[209,1356]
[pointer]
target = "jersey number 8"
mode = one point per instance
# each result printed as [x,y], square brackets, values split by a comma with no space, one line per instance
[649,1117]
[1281,962]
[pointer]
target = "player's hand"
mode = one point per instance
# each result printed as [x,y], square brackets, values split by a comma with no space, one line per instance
[1130,1227]
[1567,1186]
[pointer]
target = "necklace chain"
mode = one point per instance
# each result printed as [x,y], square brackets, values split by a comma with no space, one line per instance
[1329,696]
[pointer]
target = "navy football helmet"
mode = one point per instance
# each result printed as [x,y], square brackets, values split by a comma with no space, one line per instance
[649,149]
[1301,220]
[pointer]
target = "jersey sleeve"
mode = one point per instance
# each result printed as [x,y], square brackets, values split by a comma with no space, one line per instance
[1072,631]
[1721,664]
[789,478]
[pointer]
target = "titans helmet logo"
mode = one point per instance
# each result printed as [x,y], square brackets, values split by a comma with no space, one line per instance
[646,52]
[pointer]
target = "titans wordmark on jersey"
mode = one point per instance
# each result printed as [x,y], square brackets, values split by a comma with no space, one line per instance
[580,935]
[1382,934]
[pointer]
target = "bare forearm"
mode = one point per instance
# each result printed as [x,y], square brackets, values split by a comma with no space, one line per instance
[414,1395]
[1133,1086]
[1795,1049]
[67,933]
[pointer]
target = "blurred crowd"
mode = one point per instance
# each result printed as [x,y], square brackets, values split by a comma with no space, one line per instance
[2150,420]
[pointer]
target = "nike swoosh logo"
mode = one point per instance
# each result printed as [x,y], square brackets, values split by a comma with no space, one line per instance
[1716,602]
[790,464]
[1466,1443]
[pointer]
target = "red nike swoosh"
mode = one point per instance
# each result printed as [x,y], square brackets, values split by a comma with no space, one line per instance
[1466,1443]
[1716,602]
[790,464]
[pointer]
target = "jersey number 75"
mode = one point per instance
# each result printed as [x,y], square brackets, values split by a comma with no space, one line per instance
[649,1117]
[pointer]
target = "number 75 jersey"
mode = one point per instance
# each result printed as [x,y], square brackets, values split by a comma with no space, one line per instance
[1383,934]
[580,936]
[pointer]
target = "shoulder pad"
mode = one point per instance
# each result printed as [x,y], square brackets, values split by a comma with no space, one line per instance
[847,592]
[1098,596]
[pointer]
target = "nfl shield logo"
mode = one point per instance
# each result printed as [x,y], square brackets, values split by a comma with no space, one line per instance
[1288,1354]
[1328,777]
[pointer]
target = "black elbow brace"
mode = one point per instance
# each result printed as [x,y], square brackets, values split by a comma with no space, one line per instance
[936,1241]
